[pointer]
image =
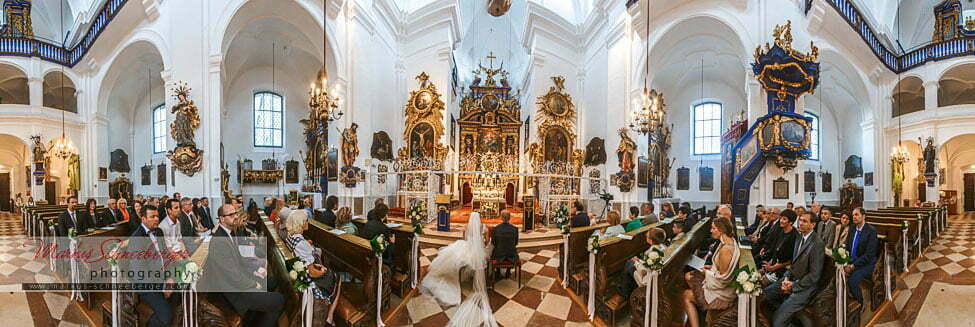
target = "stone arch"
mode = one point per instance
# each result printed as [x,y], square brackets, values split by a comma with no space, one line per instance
[907,96]
[13,84]
[14,158]
[59,91]
[956,85]
[694,25]
[143,44]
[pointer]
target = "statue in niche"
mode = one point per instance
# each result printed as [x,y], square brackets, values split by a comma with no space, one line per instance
[509,145]
[930,153]
[38,149]
[625,151]
[350,145]
[468,144]
[187,119]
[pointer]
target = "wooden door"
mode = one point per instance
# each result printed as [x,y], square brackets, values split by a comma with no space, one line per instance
[5,192]
[970,192]
[509,194]
[51,192]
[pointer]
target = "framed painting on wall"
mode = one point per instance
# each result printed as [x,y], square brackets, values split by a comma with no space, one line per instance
[102,173]
[809,179]
[827,182]
[780,189]
[683,178]
[643,170]
[291,172]
[146,175]
[707,178]
[161,174]
[868,179]
[332,171]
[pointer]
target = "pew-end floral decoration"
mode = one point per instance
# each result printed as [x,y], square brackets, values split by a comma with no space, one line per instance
[593,245]
[379,245]
[561,218]
[417,214]
[298,273]
[653,259]
[187,272]
[839,254]
[747,281]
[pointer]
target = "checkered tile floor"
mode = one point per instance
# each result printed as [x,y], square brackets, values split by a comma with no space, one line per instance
[950,259]
[540,301]
[17,264]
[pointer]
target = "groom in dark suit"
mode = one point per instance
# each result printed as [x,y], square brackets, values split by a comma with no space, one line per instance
[504,237]
[862,244]
[795,290]
[149,239]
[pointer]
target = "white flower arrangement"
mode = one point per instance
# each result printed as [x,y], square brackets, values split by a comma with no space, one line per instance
[747,281]
[653,259]
[593,245]
[839,254]
[561,218]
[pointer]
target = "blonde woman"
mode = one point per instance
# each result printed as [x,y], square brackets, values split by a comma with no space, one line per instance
[327,285]
[343,221]
[613,217]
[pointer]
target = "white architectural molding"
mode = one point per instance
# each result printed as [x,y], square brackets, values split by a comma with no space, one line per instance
[151,8]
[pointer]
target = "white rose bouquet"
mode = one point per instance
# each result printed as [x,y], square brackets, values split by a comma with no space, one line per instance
[839,254]
[187,272]
[653,259]
[593,245]
[561,218]
[298,273]
[747,281]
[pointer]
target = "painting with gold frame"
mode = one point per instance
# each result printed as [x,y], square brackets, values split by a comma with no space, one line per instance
[706,182]
[332,168]
[780,189]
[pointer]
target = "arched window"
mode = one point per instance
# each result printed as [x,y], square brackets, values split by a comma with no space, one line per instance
[268,120]
[813,136]
[706,128]
[159,129]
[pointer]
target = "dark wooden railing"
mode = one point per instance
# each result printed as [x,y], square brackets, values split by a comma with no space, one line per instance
[29,47]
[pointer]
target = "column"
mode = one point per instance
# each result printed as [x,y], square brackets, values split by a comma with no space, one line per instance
[930,95]
[35,85]
[211,135]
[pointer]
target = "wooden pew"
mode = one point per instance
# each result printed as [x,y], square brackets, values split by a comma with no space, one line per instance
[353,255]
[278,253]
[669,310]
[577,258]
[403,235]
[915,229]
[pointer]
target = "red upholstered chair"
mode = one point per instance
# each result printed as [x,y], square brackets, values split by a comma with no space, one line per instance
[505,264]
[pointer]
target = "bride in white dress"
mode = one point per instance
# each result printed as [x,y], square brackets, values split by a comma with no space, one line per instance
[443,279]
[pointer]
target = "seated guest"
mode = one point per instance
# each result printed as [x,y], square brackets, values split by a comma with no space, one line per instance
[635,221]
[223,266]
[646,214]
[504,238]
[580,218]
[171,227]
[684,217]
[613,217]
[331,203]
[91,213]
[825,226]
[146,238]
[790,206]
[679,230]
[111,215]
[633,272]
[344,221]
[842,231]
[70,218]
[203,211]
[374,227]
[795,289]
[278,205]
[163,208]
[123,209]
[768,226]
[777,258]
[135,218]
[374,205]
[327,286]
[269,205]
[759,212]
[862,242]
[667,210]
[711,289]
[282,224]
[190,222]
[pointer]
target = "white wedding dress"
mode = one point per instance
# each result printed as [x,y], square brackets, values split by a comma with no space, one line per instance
[442,282]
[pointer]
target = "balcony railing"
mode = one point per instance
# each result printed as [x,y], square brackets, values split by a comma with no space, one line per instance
[27,47]
[935,51]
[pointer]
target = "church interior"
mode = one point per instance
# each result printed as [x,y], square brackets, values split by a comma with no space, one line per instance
[487,163]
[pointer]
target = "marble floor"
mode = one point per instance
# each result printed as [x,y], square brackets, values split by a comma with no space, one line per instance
[928,294]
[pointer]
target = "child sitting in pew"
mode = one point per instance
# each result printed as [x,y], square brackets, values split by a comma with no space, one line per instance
[613,217]
[633,273]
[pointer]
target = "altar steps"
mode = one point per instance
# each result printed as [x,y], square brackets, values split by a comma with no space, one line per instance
[540,239]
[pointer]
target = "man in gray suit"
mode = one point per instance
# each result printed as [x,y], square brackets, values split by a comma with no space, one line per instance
[795,290]
[826,227]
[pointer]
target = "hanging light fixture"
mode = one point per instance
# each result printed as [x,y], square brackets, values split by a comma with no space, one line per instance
[324,106]
[899,153]
[62,147]
[648,118]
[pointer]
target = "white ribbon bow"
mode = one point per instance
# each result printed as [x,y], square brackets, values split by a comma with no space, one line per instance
[75,278]
[307,306]
[840,295]
[189,307]
[592,285]
[565,260]
[379,292]
[904,246]
[651,302]
[887,273]
[415,263]
[115,305]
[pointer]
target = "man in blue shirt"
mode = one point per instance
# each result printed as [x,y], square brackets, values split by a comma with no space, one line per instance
[862,243]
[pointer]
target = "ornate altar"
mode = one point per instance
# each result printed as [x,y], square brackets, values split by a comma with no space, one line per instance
[947,21]
[555,150]
[262,176]
[185,157]
[18,23]
[424,126]
[490,130]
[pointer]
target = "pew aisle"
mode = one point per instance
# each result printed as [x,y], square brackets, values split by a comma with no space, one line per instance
[932,287]
[540,301]
[17,263]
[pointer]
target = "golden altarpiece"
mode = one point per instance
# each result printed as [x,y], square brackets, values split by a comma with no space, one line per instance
[555,152]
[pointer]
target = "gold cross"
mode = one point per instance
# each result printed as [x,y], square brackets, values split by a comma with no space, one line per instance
[491,58]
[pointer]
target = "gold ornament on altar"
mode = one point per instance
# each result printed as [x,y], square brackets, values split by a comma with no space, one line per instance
[185,157]
[557,133]
[424,126]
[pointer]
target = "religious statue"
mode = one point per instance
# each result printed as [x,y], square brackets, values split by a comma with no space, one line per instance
[930,153]
[468,144]
[38,149]
[74,173]
[185,157]
[350,145]
[625,151]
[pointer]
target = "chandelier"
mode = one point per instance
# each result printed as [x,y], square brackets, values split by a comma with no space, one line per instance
[324,106]
[899,154]
[62,148]
[649,117]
